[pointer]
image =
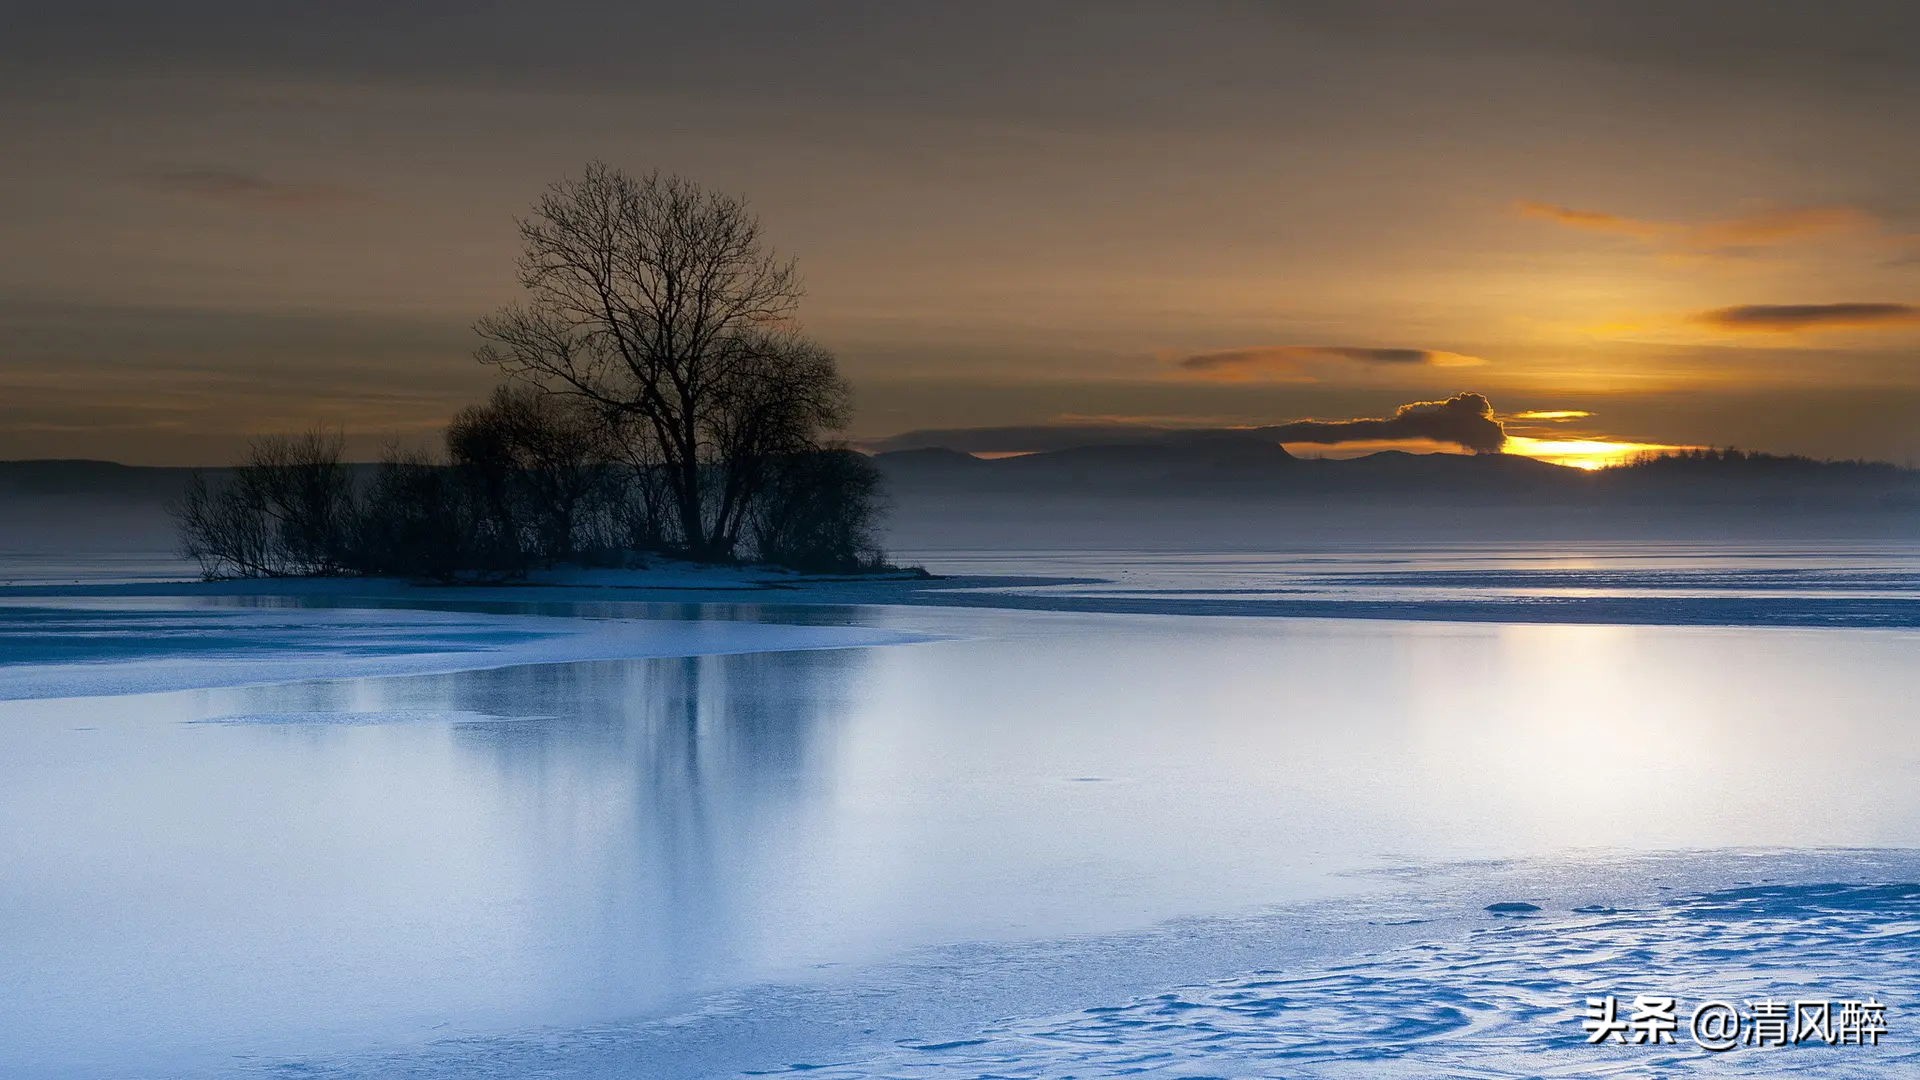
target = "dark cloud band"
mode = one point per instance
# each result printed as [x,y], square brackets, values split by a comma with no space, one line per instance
[1788,317]
[1284,360]
[1465,420]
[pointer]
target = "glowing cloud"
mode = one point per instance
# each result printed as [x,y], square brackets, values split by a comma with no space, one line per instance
[1591,220]
[1727,236]
[1465,420]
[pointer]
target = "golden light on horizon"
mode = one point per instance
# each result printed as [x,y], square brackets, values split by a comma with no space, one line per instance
[1552,414]
[1586,454]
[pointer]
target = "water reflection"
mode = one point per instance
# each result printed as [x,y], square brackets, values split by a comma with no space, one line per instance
[675,787]
[347,863]
[388,857]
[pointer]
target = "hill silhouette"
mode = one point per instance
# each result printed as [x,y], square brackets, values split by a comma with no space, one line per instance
[1206,490]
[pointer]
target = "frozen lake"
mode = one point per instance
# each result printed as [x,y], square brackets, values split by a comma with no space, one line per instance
[948,843]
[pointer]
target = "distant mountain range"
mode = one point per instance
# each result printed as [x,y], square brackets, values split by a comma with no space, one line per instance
[83,477]
[1227,466]
[1214,490]
[1226,493]
[1211,465]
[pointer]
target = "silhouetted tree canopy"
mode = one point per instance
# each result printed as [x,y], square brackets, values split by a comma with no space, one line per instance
[541,466]
[660,398]
[1731,459]
[659,303]
[287,511]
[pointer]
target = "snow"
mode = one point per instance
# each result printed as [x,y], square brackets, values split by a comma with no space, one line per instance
[1416,983]
[1503,1002]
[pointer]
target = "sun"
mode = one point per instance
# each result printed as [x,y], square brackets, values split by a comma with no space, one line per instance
[1588,454]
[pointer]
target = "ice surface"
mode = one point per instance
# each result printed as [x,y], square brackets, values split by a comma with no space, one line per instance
[552,831]
[1730,584]
[1660,584]
[387,716]
[656,838]
[98,646]
[69,566]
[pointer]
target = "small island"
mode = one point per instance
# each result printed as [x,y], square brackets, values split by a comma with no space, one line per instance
[660,401]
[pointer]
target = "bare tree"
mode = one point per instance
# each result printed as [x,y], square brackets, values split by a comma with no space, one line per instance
[419,521]
[288,510]
[645,498]
[542,466]
[819,512]
[773,406]
[653,299]
[307,491]
[222,532]
[663,398]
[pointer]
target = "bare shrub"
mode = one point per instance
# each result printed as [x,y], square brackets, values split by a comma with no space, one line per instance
[288,510]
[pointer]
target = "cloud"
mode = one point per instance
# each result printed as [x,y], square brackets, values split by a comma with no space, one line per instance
[1553,415]
[1296,361]
[1728,236]
[1591,220]
[1022,438]
[1788,318]
[1464,420]
[250,189]
[1776,226]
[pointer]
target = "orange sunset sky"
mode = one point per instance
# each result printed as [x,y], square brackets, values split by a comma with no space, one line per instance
[1626,225]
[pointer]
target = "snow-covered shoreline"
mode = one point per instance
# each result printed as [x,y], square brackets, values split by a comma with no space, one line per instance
[1413,975]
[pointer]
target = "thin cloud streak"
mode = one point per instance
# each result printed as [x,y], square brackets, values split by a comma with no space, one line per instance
[1729,236]
[1298,362]
[1792,318]
[239,188]
[1025,438]
[1590,220]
